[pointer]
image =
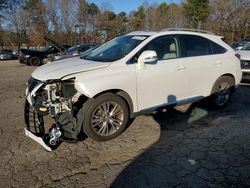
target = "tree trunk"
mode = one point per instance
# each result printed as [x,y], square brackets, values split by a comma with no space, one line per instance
[232,36]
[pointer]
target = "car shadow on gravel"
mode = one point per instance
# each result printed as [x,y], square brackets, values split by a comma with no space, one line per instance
[183,155]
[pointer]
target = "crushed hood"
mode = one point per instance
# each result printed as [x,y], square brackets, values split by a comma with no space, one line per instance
[59,69]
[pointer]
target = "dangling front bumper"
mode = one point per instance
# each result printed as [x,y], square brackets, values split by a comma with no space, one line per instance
[34,126]
[39,140]
[49,112]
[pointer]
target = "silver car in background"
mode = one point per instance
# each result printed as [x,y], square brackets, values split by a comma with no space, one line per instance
[7,55]
[245,61]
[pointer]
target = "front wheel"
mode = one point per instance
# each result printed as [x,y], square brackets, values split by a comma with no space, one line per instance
[222,91]
[105,117]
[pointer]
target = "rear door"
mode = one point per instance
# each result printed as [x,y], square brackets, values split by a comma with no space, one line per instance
[203,66]
[165,81]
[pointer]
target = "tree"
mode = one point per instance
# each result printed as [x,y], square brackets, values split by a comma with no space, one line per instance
[93,11]
[76,21]
[3,5]
[197,12]
[122,23]
[137,19]
[82,19]
[175,16]
[38,27]
[54,18]
[68,15]
[106,24]
[18,19]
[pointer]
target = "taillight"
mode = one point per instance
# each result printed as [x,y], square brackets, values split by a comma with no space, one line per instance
[238,56]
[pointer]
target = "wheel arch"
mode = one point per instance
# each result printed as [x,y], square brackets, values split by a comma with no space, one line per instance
[229,75]
[123,94]
[224,75]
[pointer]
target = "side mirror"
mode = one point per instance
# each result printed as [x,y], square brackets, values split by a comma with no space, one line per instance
[148,56]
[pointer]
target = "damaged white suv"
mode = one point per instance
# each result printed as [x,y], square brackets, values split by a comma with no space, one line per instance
[125,77]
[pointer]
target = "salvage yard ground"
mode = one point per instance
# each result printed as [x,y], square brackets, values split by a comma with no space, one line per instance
[201,147]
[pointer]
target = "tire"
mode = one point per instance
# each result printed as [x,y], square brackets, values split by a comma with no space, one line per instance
[222,92]
[34,61]
[98,123]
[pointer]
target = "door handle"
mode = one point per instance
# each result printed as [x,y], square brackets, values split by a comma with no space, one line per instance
[218,63]
[180,68]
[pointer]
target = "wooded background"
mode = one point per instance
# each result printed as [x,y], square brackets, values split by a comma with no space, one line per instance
[26,22]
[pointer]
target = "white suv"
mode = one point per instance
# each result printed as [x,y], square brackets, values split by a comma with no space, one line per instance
[125,77]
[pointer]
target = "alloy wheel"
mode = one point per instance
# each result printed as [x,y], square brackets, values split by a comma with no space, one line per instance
[222,94]
[107,118]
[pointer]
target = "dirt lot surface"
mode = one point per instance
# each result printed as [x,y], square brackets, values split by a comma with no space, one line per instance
[201,147]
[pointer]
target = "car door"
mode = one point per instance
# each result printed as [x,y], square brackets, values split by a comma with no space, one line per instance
[202,66]
[165,81]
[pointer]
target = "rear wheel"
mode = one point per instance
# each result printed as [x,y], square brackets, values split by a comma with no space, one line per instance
[105,117]
[34,61]
[222,91]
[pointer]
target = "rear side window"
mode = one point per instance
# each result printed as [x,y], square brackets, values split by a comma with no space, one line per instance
[194,46]
[217,49]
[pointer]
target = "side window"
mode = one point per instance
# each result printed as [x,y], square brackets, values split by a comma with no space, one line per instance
[194,46]
[217,49]
[165,47]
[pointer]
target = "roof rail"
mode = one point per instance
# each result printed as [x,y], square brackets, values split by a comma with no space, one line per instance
[187,29]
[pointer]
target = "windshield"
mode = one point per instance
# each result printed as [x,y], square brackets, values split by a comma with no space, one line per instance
[73,48]
[246,47]
[115,49]
[87,52]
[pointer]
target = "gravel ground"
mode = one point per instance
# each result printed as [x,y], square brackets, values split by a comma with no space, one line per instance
[201,147]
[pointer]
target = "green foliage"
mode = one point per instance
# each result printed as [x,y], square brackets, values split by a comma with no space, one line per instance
[93,9]
[163,7]
[196,11]
[138,19]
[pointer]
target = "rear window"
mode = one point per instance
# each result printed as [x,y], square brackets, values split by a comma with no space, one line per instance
[194,46]
[198,46]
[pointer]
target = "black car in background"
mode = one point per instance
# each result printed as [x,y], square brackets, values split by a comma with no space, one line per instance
[35,57]
[7,55]
[73,51]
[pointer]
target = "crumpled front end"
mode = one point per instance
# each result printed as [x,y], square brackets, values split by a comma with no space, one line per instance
[52,112]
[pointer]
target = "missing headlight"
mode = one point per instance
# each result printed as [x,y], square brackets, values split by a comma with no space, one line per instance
[68,89]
